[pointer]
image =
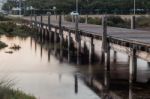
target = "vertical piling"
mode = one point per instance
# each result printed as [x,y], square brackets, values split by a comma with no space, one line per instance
[107,59]
[55,40]
[61,37]
[104,39]
[49,26]
[78,39]
[132,22]
[132,66]
[41,26]
[91,51]
[69,44]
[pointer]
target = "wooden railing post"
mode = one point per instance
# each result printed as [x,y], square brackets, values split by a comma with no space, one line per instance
[104,39]
[69,44]
[91,51]
[49,26]
[61,37]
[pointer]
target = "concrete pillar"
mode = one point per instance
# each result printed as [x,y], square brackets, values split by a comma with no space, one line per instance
[55,40]
[107,59]
[104,39]
[78,52]
[107,80]
[69,44]
[61,37]
[132,22]
[115,57]
[78,39]
[91,51]
[132,66]
[41,26]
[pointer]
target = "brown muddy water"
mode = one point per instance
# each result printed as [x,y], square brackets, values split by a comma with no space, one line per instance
[35,69]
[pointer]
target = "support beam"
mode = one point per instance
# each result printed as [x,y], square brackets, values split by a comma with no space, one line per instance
[107,59]
[41,26]
[104,39]
[49,26]
[132,22]
[69,44]
[91,51]
[61,37]
[55,40]
[78,39]
[132,66]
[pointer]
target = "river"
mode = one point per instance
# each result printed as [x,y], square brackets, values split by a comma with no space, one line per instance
[35,70]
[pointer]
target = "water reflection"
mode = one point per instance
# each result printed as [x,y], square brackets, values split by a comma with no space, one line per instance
[46,76]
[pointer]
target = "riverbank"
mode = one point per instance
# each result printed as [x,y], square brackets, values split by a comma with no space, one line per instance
[7,93]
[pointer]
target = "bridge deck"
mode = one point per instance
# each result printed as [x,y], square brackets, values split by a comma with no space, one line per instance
[122,33]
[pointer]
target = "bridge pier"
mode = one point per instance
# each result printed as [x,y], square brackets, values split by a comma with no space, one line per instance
[69,44]
[107,59]
[104,39]
[78,51]
[132,66]
[55,40]
[49,27]
[91,51]
[61,37]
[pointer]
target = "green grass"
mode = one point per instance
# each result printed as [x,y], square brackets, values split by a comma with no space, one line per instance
[11,29]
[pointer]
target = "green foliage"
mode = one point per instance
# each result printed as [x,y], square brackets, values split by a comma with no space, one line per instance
[95,20]
[11,29]
[143,21]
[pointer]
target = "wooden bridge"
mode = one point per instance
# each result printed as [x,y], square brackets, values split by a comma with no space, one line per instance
[135,43]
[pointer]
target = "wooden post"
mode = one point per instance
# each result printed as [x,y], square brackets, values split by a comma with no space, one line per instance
[104,39]
[78,39]
[55,40]
[61,37]
[115,57]
[132,22]
[41,28]
[91,51]
[107,59]
[69,44]
[132,66]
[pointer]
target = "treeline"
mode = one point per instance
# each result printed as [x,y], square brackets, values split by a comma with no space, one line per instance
[91,6]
